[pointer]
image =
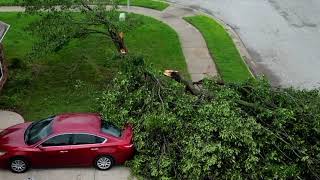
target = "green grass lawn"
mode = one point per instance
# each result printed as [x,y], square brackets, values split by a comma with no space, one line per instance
[227,58]
[142,3]
[8,2]
[70,80]
[147,3]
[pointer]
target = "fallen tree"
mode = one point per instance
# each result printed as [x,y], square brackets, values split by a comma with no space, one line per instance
[65,20]
[218,131]
[3,68]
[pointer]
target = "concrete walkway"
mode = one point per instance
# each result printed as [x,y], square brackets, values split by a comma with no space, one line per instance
[8,119]
[116,173]
[199,62]
[198,59]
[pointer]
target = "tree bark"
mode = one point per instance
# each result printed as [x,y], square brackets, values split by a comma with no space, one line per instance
[177,77]
[190,87]
[118,41]
[4,68]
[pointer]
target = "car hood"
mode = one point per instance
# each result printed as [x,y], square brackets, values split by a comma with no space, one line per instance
[13,136]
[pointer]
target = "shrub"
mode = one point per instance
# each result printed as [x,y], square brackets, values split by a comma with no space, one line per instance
[16,63]
[10,102]
[232,131]
[20,80]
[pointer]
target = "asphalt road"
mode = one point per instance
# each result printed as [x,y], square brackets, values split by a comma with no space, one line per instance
[283,36]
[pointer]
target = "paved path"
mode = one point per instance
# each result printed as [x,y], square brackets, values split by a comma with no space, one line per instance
[8,119]
[198,59]
[116,173]
[283,36]
[194,47]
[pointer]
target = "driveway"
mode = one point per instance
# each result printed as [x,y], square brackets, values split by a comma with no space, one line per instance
[283,36]
[118,173]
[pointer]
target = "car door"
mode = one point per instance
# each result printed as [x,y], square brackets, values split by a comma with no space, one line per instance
[54,152]
[85,148]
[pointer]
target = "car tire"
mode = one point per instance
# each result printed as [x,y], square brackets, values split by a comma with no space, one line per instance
[18,165]
[104,163]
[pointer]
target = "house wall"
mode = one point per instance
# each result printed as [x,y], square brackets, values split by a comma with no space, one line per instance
[4,68]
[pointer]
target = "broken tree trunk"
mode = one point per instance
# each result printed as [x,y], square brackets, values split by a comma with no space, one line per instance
[118,41]
[3,66]
[190,87]
[177,77]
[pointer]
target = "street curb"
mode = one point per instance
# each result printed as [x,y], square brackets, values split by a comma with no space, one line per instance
[241,47]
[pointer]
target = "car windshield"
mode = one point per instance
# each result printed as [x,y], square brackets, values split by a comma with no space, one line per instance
[110,129]
[38,130]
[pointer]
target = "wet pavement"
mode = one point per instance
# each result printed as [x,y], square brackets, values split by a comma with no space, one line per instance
[283,36]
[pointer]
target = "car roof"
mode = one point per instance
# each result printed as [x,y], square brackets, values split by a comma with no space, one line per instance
[76,123]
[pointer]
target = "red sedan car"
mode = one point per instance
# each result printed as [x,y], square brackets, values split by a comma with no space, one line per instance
[65,140]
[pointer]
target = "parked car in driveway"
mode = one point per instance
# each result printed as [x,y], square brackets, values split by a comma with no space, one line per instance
[74,139]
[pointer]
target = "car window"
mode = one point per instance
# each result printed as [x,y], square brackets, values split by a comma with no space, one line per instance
[109,128]
[86,139]
[60,140]
[38,131]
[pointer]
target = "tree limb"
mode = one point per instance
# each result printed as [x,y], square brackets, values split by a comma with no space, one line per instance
[177,77]
[88,30]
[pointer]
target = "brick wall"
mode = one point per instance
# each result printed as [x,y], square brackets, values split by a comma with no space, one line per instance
[4,68]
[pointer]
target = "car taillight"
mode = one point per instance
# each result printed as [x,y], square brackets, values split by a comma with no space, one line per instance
[128,146]
[2,152]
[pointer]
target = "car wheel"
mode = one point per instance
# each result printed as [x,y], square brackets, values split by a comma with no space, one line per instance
[104,162]
[18,165]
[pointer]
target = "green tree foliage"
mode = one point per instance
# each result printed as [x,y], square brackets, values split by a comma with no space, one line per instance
[231,131]
[64,20]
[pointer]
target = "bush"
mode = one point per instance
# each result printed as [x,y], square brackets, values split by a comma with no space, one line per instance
[16,63]
[20,80]
[232,131]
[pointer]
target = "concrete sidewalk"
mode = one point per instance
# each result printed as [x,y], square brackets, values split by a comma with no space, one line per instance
[8,119]
[116,173]
[199,62]
[195,50]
